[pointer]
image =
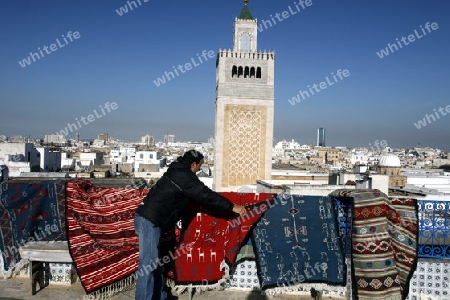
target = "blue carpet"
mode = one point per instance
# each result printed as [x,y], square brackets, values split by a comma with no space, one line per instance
[30,212]
[297,241]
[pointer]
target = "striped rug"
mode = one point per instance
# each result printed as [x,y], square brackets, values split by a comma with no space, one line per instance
[101,236]
[384,243]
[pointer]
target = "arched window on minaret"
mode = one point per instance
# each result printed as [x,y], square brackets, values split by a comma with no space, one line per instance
[240,72]
[245,42]
[246,72]
[252,72]
[258,72]
[234,72]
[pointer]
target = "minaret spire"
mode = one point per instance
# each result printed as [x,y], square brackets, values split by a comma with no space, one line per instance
[245,13]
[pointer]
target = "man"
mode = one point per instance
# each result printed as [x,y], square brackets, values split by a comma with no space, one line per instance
[162,208]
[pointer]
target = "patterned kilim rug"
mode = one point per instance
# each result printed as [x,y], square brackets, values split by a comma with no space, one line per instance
[212,240]
[384,244]
[297,242]
[102,240]
[30,212]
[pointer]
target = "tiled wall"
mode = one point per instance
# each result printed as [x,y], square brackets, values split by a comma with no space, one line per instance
[245,276]
[430,281]
[61,273]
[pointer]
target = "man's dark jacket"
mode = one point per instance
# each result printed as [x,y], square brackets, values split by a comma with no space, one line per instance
[168,198]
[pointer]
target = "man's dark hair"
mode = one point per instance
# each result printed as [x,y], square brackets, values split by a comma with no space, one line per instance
[192,156]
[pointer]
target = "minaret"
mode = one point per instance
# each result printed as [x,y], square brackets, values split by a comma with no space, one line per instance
[244,109]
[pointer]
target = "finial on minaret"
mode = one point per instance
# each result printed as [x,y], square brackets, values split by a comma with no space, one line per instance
[246,1]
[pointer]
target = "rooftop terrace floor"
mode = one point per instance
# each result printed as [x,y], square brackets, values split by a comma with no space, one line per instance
[20,288]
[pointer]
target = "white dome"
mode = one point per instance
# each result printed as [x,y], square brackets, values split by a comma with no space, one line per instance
[389,160]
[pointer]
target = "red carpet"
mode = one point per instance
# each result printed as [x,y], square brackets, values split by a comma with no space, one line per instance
[212,239]
[102,241]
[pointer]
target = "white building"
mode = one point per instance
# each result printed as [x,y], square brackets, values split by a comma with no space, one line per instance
[365,181]
[123,155]
[50,161]
[90,159]
[149,160]
[19,157]
[285,145]
[205,176]
[436,182]
[359,157]
[98,143]
[67,161]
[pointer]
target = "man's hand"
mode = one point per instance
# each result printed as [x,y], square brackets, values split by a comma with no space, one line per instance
[239,209]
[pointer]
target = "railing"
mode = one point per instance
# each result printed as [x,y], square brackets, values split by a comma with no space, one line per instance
[434,229]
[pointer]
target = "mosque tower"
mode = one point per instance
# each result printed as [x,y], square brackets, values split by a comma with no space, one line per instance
[244,109]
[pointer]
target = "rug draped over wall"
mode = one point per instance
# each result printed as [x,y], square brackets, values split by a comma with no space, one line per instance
[210,243]
[104,246]
[384,243]
[295,238]
[30,212]
[296,241]
[102,240]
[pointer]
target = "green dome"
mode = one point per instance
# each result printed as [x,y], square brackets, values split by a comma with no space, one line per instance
[246,14]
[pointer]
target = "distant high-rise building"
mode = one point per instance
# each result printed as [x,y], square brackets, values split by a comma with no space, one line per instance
[169,138]
[148,140]
[244,109]
[103,137]
[54,138]
[321,137]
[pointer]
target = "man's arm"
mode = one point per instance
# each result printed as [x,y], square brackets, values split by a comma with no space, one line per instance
[198,191]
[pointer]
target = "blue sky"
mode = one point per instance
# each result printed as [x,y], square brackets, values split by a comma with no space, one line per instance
[117,58]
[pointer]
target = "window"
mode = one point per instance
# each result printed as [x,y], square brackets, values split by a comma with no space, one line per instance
[245,42]
[234,72]
[258,72]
